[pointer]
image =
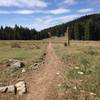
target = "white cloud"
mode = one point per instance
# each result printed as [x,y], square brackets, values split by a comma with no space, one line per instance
[55,11]
[4,12]
[23,12]
[46,22]
[63,19]
[17,12]
[67,3]
[23,3]
[59,11]
[86,10]
[70,2]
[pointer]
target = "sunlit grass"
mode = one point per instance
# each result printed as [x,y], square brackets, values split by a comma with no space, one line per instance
[82,69]
[29,52]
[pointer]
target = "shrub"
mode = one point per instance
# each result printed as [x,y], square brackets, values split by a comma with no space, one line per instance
[15,45]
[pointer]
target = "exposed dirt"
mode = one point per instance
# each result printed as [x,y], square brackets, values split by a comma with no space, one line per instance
[44,83]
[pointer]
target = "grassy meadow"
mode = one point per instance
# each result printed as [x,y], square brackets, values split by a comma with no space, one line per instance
[81,64]
[82,69]
[29,52]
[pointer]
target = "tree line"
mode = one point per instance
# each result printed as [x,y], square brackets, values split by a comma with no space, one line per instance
[84,28]
[19,33]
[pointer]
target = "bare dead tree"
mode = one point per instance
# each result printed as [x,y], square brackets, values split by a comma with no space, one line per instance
[49,34]
[67,37]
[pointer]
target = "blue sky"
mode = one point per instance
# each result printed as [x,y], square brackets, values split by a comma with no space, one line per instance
[40,14]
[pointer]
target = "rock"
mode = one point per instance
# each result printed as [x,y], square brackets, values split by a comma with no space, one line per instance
[81,73]
[80,80]
[3,89]
[13,60]
[10,60]
[36,64]
[20,79]
[21,87]
[59,85]
[11,89]
[74,87]
[44,54]
[58,73]
[35,67]
[93,94]
[18,64]
[23,70]
[76,67]
[8,65]
[43,62]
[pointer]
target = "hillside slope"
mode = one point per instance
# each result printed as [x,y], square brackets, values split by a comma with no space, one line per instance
[84,28]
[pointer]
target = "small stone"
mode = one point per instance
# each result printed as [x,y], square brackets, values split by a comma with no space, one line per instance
[80,80]
[36,64]
[18,64]
[81,73]
[23,70]
[35,67]
[76,67]
[59,85]
[19,84]
[21,87]
[74,87]
[58,73]
[11,89]
[3,89]
[20,79]
[23,91]
[10,60]
[92,94]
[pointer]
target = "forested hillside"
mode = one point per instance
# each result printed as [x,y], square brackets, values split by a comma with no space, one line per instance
[17,33]
[84,28]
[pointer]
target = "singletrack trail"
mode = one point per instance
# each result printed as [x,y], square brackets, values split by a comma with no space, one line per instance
[44,84]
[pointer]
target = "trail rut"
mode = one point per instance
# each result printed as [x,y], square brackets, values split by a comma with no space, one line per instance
[44,83]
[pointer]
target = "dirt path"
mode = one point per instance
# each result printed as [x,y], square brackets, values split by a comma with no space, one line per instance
[43,84]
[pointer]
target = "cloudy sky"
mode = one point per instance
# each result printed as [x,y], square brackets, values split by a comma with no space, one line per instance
[40,14]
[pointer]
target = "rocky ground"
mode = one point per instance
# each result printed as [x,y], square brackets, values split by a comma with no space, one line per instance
[41,84]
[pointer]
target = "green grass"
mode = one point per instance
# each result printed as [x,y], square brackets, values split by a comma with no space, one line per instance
[28,51]
[82,69]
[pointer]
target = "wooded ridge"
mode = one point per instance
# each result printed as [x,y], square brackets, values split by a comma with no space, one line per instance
[84,28]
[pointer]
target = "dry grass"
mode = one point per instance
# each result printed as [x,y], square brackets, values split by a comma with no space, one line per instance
[29,52]
[82,69]
[82,65]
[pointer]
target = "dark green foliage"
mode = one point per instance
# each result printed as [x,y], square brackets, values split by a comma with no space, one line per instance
[17,33]
[84,28]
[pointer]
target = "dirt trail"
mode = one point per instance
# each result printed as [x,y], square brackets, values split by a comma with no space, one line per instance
[43,84]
